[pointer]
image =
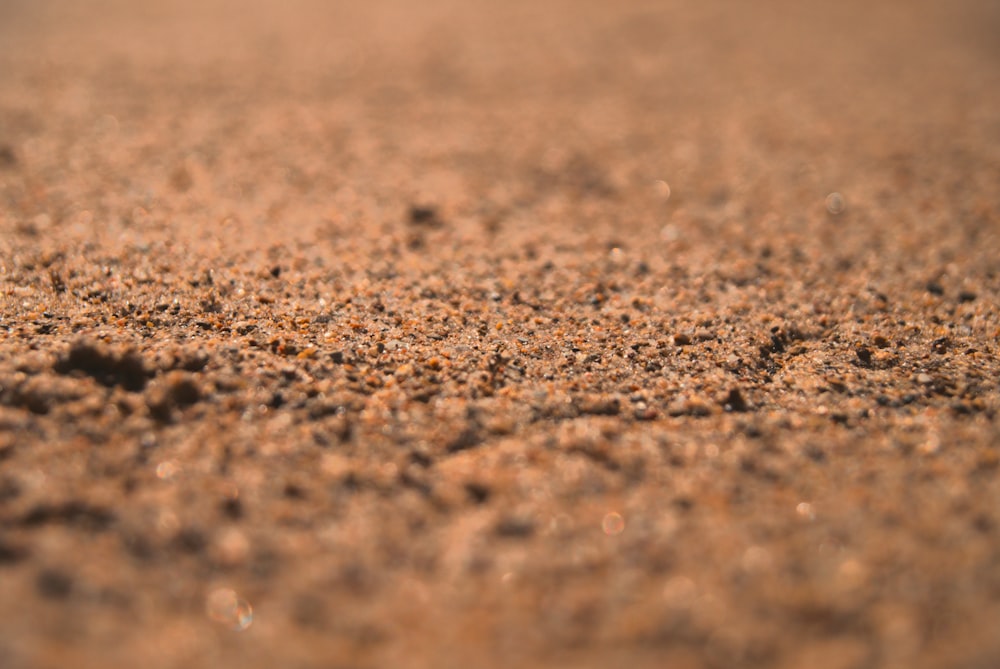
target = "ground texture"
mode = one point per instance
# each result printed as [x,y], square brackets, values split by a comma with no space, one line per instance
[467,334]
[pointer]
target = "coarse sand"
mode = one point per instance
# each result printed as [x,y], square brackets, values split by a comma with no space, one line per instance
[499,334]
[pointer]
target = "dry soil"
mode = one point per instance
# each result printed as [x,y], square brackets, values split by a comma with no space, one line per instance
[491,334]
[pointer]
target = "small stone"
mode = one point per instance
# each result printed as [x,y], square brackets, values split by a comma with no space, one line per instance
[940,345]
[925,379]
[734,401]
[424,215]
[232,508]
[176,390]
[477,492]
[864,355]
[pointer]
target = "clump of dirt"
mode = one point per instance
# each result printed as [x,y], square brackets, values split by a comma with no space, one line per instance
[109,368]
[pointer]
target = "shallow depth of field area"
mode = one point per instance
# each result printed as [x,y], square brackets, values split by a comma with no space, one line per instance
[469,334]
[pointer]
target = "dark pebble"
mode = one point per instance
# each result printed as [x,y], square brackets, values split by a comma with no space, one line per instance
[293,491]
[184,391]
[75,513]
[477,492]
[962,409]
[864,355]
[735,401]
[177,390]
[424,215]
[232,508]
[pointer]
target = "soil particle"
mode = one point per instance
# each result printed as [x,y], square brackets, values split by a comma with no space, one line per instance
[966,296]
[175,391]
[74,513]
[232,508]
[734,401]
[478,493]
[940,345]
[864,355]
[424,216]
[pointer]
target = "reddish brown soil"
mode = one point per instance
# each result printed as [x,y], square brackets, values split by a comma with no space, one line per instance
[467,334]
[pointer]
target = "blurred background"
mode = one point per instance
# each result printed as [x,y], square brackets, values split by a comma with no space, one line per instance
[580,114]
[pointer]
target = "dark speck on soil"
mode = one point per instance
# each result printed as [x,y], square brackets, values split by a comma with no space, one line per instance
[424,215]
[54,583]
[734,401]
[966,296]
[515,527]
[864,355]
[8,158]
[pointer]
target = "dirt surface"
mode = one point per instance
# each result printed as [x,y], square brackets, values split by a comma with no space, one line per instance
[466,334]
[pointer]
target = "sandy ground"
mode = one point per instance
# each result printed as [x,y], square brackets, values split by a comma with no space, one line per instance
[467,334]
